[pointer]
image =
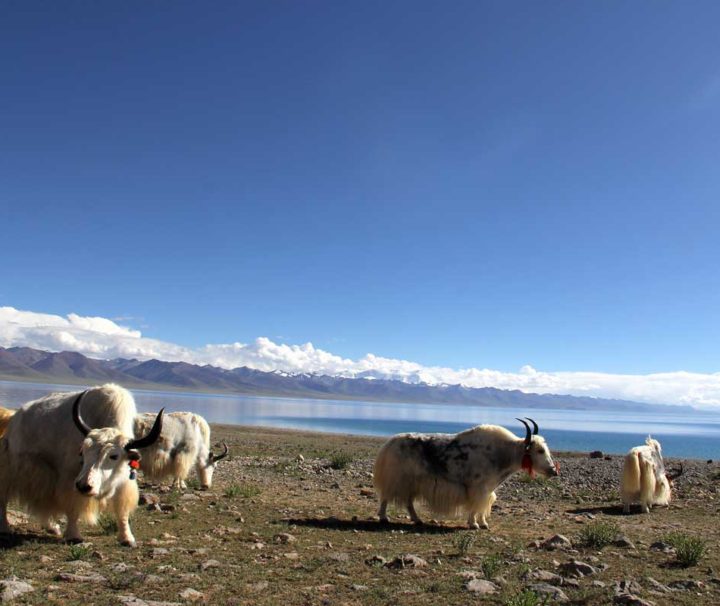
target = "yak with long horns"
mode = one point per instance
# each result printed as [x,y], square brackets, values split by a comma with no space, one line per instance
[184,445]
[74,455]
[453,473]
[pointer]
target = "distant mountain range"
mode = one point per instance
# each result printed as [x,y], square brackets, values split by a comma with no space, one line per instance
[26,364]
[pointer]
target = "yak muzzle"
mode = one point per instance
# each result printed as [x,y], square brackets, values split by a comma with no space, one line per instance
[83,487]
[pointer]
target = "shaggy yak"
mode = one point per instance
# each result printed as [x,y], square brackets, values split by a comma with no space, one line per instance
[644,479]
[451,473]
[58,460]
[184,444]
[5,416]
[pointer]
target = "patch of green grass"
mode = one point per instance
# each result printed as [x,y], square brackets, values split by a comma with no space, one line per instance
[490,565]
[525,598]
[599,534]
[464,541]
[79,552]
[248,491]
[688,549]
[108,524]
[340,460]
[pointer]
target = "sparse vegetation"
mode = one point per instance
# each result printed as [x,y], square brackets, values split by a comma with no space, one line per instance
[79,551]
[525,598]
[246,491]
[464,541]
[598,534]
[340,460]
[688,549]
[490,565]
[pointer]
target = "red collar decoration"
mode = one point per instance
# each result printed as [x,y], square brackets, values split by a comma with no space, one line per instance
[527,464]
[134,466]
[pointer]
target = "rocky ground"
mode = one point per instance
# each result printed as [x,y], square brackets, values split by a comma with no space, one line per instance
[290,520]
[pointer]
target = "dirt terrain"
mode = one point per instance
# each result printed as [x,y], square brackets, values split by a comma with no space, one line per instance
[291,520]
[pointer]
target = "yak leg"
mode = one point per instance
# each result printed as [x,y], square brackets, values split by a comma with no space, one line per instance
[72,531]
[382,514]
[413,514]
[481,506]
[124,502]
[4,525]
[50,526]
[626,507]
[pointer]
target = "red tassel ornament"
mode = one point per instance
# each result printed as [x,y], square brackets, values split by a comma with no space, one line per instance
[527,464]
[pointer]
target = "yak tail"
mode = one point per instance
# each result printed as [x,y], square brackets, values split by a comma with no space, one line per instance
[5,416]
[631,477]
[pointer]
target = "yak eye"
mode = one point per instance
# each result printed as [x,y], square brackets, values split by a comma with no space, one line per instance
[114,457]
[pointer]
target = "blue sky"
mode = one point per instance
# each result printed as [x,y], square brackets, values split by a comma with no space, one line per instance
[477,185]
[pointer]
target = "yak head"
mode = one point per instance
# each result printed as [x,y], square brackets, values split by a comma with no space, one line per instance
[537,457]
[108,457]
[207,468]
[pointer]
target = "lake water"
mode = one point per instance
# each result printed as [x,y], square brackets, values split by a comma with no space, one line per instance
[683,434]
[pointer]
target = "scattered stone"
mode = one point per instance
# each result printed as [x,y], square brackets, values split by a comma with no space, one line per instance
[210,564]
[557,541]
[300,458]
[189,496]
[657,585]
[376,560]
[192,595]
[13,588]
[44,559]
[627,586]
[153,579]
[159,552]
[406,561]
[91,577]
[120,567]
[577,569]
[259,586]
[339,556]
[686,585]
[545,576]
[628,599]
[555,593]
[623,541]
[367,492]
[148,498]
[284,538]
[359,587]
[662,546]
[597,454]
[481,587]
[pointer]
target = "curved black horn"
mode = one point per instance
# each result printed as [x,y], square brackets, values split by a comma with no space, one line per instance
[528,435]
[151,438]
[215,458]
[676,473]
[81,425]
[535,426]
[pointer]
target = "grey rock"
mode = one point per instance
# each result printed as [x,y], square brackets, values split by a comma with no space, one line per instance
[192,595]
[376,560]
[627,586]
[557,541]
[284,538]
[210,564]
[131,600]
[13,588]
[577,569]
[148,498]
[554,593]
[597,454]
[481,587]
[686,585]
[406,561]
[545,576]
[657,585]
[623,541]
[663,547]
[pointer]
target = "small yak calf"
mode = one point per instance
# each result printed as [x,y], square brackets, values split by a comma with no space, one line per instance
[456,472]
[644,479]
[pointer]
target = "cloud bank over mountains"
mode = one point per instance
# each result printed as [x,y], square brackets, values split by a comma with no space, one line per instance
[103,338]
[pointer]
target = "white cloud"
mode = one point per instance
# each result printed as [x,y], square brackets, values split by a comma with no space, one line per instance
[104,338]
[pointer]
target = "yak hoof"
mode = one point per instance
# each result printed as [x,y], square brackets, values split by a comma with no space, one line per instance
[131,544]
[74,540]
[384,521]
[474,526]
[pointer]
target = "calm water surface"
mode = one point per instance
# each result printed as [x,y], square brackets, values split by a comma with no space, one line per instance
[692,435]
